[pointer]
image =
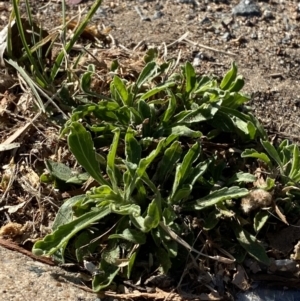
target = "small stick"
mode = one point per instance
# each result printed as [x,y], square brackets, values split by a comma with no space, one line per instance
[209,48]
[189,247]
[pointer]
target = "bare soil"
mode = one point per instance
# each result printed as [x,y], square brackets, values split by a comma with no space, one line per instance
[266,50]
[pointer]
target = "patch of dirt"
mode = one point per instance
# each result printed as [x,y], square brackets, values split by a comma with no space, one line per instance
[265,48]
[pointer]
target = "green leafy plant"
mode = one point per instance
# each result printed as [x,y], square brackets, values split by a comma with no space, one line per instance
[146,147]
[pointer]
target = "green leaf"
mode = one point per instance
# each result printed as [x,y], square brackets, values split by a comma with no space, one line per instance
[168,162]
[102,281]
[156,90]
[151,55]
[103,192]
[237,85]
[221,195]
[250,244]
[79,178]
[191,156]
[114,65]
[203,113]
[169,216]
[183,170]
[81,145]
[197,171]
[164,260]
[190,77]
[122,90]
[171,107]
[61,236]
[272,153]
[131,235]
[65,212]
[295,162]
[170,244]
[131,264]
[252,153]
[111,167]
[133,158]
[229,78]
[153,216]
[211,220]
[241,177]
[260,219]
[182,193]
[148,71]
[59,170]
[182,130]
[85,82]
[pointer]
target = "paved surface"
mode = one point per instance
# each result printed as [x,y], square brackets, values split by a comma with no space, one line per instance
[24,279]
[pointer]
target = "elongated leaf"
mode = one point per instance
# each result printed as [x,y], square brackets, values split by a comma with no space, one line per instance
[191,156]
[128,209]
[182,130]
[65,212]
[148,71]
[164,260]
[153,216]
[221,195]
[260,219]
[182,193]
[103,192]
[171,107]
[190,77]
[131,235]
[229,78]
[132,148]
[169,216]
[169,243]
[131,264]
[103,280]
[242,177]
[211,220]
[237,85]
[59,170]
[272,153]
[252,153]
[156,90]
[183,170]
[295,162]
[250,244]
[122,90]
[81,145]
[197,171]
[168,162]
[85,82]
[145,162]
[111,166]
[203,113]
[61,236]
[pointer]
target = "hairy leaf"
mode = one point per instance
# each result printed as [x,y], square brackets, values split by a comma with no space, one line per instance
[220,195]
[250,244]
[81,145]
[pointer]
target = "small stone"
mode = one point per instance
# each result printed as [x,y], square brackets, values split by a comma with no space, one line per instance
[253,36]
[246,8]
[267,14]
[157,15]
[226,36]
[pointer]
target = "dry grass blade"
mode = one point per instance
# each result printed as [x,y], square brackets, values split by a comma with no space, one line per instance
[189,247]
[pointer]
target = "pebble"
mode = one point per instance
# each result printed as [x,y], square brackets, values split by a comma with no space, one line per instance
[267,14]
[246,8]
